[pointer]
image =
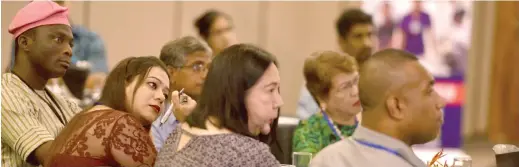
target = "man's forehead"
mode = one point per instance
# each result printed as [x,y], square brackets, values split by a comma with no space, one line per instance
[361,28]
[62,28]
[417,75]
[198,56]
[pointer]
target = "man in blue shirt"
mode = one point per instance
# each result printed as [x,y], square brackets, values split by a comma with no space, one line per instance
[187,60]
[355,34]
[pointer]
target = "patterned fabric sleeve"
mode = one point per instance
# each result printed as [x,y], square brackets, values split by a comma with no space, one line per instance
[307,137]
[254,154]
[130,144]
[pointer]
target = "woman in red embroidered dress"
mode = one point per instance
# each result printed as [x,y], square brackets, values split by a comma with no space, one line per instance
[116,132]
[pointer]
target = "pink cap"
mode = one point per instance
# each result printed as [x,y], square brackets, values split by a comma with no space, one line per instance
[38,13]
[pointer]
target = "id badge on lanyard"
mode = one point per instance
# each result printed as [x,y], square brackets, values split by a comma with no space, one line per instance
[335,130]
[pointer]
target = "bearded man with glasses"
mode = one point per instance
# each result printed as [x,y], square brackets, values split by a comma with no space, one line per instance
[187,60]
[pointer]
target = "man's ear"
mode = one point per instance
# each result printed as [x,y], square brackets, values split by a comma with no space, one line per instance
[395,107]
[24,42]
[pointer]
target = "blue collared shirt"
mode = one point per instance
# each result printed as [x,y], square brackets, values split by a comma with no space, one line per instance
[88,46]
[161,133]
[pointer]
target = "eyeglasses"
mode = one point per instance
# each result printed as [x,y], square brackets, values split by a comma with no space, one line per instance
[196,67]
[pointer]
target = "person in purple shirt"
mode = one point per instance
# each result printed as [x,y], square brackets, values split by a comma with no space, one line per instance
[416,30]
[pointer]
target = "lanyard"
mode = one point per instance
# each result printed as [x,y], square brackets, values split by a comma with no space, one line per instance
[333,127]
[380,147]
[54,110]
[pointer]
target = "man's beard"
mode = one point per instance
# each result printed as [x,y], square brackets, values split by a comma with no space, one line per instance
[363,55]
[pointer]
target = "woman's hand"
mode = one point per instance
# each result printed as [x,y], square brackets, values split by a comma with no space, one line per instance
[183,105]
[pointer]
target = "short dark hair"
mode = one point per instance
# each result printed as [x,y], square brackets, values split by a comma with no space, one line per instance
[206,20]
[349,18]
[234,71]
[125,72]
[174,52]
[379,72]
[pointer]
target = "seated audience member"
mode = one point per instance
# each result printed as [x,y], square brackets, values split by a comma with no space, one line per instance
[332,78]
[32,116]
[235,117]
[116,132]
[401,108]
[217,29]
[89,50]
[355,34]
[187,59]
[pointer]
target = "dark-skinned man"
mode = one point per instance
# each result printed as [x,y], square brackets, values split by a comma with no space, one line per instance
[32,116]
[401,109]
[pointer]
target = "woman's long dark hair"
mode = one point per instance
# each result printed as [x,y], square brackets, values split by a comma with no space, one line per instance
[234,71]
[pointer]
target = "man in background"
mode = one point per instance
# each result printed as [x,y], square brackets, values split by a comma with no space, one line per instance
[401,109]
[187,60]
[355,36]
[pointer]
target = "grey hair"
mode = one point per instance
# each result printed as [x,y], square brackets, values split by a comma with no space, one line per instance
[174,52]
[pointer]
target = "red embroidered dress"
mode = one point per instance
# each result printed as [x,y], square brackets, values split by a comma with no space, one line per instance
[103,138]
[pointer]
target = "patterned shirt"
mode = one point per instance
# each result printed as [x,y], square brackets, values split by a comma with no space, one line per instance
[218,150]
[27,120]
[313,134]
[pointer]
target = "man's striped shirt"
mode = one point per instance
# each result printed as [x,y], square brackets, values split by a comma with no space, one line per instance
[27,120]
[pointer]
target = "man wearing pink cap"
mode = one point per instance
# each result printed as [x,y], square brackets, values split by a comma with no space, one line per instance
[32,116]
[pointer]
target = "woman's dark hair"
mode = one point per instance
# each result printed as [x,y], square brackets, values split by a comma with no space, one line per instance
[233,71]
[206,20]
[123,74]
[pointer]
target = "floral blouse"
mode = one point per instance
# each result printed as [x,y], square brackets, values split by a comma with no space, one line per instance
[313,134]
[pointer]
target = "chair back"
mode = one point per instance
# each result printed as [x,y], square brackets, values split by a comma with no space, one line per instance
[284,134]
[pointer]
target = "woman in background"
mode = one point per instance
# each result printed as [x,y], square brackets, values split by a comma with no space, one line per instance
[217,29]
[332,79]
[236,115]
[116,132]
